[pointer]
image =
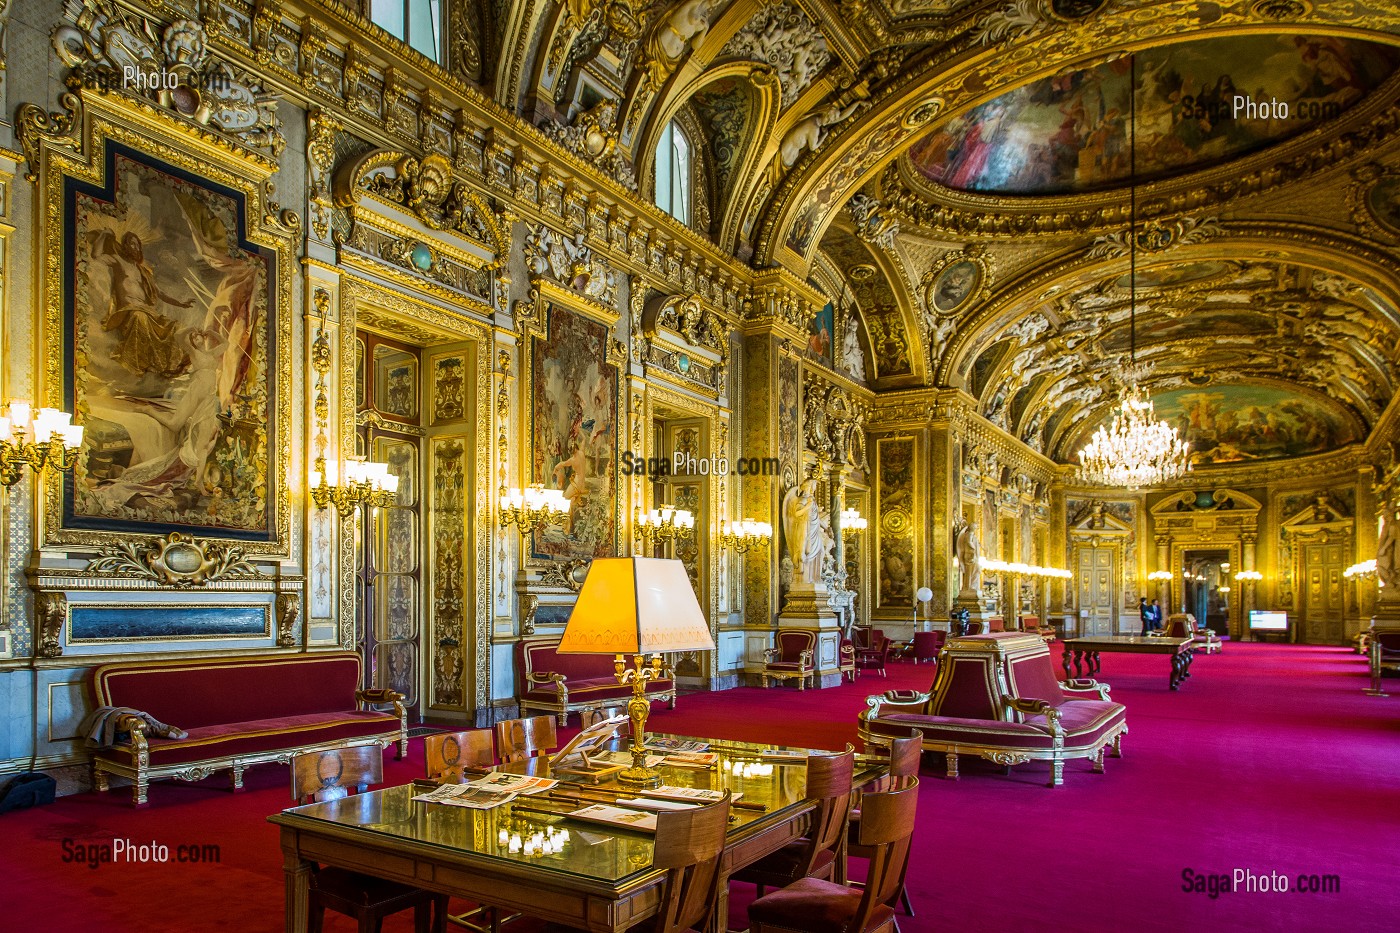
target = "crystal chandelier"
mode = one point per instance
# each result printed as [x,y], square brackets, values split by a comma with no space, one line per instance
[1134,449]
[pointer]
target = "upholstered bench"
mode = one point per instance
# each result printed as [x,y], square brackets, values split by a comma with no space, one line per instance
[550,682]
[997,696]
[239,712]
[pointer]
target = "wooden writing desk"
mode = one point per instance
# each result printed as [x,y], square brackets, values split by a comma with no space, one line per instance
[1086,652]
[603,879]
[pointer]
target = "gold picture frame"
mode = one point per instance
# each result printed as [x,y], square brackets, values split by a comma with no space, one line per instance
[225,313]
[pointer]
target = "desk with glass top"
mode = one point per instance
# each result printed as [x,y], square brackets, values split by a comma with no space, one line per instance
[1086,650]
[602,879]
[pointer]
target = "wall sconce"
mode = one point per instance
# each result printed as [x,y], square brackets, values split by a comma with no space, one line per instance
[665,523]
[853,521]
[745,535]
[534,508]
[1254,576]
[356,481]
[53,441]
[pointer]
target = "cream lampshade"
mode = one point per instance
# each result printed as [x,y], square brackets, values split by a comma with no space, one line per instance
[636,606]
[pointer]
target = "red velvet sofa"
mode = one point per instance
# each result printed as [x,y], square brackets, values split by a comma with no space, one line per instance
[550,682]
[997,696]
[238,712]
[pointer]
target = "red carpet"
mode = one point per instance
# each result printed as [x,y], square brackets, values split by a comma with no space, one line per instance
[1269,759]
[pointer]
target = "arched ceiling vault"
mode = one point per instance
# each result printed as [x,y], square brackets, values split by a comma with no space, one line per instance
[1249,324]
[944,85]
[960,166]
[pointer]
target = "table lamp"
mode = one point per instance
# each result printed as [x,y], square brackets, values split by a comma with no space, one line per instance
[636,606]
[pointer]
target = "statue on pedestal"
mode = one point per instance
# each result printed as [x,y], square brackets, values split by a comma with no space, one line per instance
[969,559]
[802,526]
[1388,555]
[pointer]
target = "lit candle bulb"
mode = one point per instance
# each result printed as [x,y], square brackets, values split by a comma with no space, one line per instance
[515,843]
[505,837]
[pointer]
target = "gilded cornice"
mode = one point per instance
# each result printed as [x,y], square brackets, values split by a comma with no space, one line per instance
[325,55]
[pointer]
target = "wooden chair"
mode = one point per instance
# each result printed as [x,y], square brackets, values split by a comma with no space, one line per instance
[905,755]
[812,905]
[689,844]
[329,775]
[814,855]
[517,739]
[452,755]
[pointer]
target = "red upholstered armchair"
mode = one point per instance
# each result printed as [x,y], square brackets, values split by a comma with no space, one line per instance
[560,684]
[794,657]
[876,655]
[1184,625]
[997,696]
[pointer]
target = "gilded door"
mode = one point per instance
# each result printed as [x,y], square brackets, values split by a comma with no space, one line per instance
[390,577]
[1323,603]
[1094,576]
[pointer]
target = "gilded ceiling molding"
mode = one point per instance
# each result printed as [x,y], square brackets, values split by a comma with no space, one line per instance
[1036,290]
[1157,236]
[105,45]
[759,124]
[963,75]
[593,137]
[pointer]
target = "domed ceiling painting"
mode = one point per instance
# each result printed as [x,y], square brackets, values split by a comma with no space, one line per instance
[1069,133]
[1234,423]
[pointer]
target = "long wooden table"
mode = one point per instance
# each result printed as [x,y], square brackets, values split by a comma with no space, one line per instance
[1086,653]
[602,880]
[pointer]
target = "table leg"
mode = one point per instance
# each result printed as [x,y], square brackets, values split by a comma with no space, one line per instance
[298,882]
[1190,656]
[1064,663]
[1095,663]
[1175,677]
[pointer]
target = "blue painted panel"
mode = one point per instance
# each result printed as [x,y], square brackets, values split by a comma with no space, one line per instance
[126,623]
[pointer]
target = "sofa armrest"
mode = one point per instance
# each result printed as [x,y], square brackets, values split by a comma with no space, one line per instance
[1036,708]
[381,695]
[1084,689]
[545,677]
[895,701]
[136,726]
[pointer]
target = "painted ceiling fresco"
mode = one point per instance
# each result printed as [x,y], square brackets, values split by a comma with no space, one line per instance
[1233,423]
[1069,133]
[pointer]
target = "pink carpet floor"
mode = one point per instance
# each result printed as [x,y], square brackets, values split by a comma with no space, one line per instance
[1269,759]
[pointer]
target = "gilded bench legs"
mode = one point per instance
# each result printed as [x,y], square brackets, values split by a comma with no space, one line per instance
[952,765]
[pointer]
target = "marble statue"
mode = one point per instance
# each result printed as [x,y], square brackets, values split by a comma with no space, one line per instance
[969,559]
[802,526]
[1387,558]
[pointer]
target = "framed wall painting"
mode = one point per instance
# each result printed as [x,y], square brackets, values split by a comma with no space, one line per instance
[574,403]
[167,301]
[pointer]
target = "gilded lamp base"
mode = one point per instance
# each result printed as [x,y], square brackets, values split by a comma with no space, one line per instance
[638,708]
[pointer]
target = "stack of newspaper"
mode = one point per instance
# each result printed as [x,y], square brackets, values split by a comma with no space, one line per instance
[490,791]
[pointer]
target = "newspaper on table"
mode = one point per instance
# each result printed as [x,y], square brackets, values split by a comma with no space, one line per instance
[502,782]
[583,745]
[625,758]
[465,795]
[689,794]
[616,816]
[673,746]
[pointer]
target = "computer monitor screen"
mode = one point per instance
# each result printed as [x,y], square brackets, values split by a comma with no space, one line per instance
[1268,621]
